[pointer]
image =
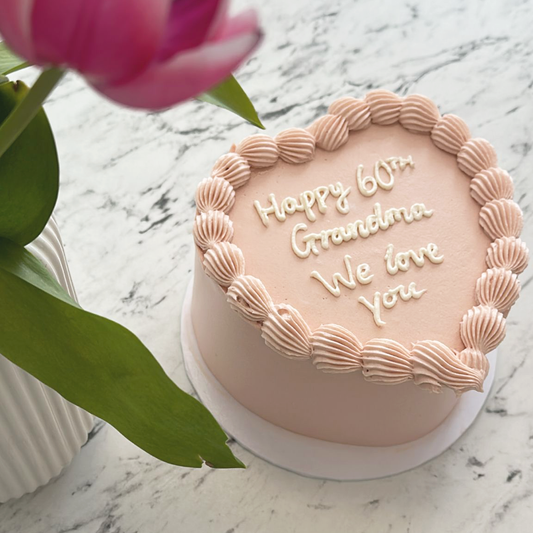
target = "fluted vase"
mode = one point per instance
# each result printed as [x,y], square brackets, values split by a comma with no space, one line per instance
[40,432]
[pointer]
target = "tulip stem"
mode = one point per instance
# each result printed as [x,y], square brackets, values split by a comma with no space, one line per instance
[25,112]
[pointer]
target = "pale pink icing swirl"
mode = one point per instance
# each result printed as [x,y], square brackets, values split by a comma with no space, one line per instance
[330,131]
[287,333]
[233,168]
[296,145]
[482,328]
[475,359]
[476,155]
[450,133]
[419,114]
[386,361]
[385,106]
[249,298]
[259,150]
[491,184]
[501,218]
[356,112]
[224,263]
[211,228]
[214,194]
[335,349]
[510,253]
[498,288]
[435,365]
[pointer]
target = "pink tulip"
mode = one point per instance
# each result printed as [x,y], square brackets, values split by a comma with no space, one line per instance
[141,53]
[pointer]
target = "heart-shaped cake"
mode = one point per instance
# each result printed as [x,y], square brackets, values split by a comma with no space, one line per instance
[378,246]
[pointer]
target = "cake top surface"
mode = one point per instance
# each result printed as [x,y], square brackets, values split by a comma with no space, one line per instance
[448,230]
[382,238]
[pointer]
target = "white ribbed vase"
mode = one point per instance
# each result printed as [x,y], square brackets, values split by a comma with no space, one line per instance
[40,432]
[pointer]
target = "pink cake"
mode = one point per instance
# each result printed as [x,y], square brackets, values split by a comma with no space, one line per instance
[379,246]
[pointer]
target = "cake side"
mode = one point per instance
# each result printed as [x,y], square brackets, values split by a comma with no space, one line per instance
[334,348]
[342,408]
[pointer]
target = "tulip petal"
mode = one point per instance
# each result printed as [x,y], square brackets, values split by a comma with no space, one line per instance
[15,17]
[185,75]
[221,17]
[188,25]
[103,40]
[242,23]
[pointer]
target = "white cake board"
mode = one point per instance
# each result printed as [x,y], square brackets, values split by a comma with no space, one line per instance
[313,457]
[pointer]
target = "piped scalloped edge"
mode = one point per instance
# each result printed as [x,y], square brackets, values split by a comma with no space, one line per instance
[396,363]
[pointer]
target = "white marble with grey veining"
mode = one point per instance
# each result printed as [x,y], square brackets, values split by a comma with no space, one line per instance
[126,210]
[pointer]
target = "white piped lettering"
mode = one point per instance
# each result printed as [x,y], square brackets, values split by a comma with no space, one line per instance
[304,203]
[358,228]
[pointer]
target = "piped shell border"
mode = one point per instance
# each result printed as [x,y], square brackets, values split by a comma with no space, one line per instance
[332,348]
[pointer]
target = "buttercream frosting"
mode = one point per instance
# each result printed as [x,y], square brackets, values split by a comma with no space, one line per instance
[215,194]
[418,114]
[307,202]
[386,361]
[491,184]
[248,297]
[475,359]
[336,349]
[286,332]
[330,131]
[435,365]
[361,275]
[333,348]
[224,263]
[389,299]
[296,145]
[501,218]
[233,168]
[385,106]
[476,155]
[498,288]
[450,133]
[259,150]
[509,253]
[401,261]
[483,328]
[356,112]
[363,228]
[369,184]
[211,228]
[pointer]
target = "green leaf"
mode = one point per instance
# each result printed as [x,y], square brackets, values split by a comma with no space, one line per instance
[9,62]
[231,96]
[29,173]
[18,261]
[101,366]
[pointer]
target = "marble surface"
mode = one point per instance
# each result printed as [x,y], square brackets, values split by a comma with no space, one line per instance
[126,210]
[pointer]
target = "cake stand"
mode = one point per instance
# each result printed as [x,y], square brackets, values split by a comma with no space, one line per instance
[313,457]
